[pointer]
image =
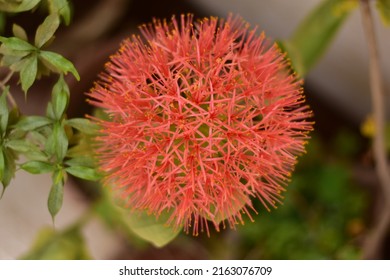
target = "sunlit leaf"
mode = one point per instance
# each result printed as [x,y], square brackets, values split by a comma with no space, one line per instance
[19,32]
[62,8]
[315,33]
[18,6]
[58,63]
[17,44]
[384,11]
[46,30]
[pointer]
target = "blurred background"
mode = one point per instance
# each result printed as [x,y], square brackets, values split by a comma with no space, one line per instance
[332,199]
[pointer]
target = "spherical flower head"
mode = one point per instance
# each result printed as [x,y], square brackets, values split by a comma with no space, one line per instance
[204,117]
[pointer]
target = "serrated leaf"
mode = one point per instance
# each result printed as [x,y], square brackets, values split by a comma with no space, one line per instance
[18,6]
[62,8]
[38,167]
[19,32]
[28,72]
[56,194]
[32,122]
[54,245]
[58,63]
[315,33]
[4,112]
[46,30]
[84,125]
[151,229]
[384,10]
[60,98]
[83,172]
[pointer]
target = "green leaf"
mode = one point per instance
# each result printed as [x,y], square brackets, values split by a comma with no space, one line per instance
[19,32]
[60,98]
[384,11]
[9,167]
[56,194]
[62,8]
[20,145]
[18,6]
[17,44]
[38,167]
[46,30]
[2,165]
[28,72]
[315,33]
[81,161]
[58,63]
[149,228]
[84,125]
[4,112]
[32,122]
[83,172]
[61,141]
[53,245]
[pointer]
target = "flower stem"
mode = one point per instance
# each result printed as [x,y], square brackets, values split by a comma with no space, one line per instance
[9,95]
[374,240]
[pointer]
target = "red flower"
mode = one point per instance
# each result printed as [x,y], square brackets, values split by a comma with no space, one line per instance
[205,116]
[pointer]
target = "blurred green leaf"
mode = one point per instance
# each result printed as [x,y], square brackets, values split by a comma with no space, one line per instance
[60,98]
[46,30]
[56,194]
[52,245]
[38,167]
[9,167]
[384,10]
[58,63]
[87,161]
[83,172]
[150,228]
[19,32]
[84,125]
[18,6]
[32,122]
[2,164]
[146,227]
[57,142]
[20,145]
[17,44]
[62,8]
[28,72]
[315,33]
[4,112]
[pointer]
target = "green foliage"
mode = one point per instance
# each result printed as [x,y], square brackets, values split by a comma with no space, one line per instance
[46,30]
[320,218]
[141,224]
[62,8]
[384,11]
[56,194]
[53,245]
[17,6]
[315,33]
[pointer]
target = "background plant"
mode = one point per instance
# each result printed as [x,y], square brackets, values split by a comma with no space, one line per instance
[52,143]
